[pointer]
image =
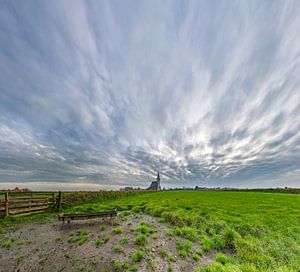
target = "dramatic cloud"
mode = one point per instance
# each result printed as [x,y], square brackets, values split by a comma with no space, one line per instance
[100,94]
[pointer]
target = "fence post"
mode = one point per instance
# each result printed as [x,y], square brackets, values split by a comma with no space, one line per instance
[6,204]
[59,200]
[53,201]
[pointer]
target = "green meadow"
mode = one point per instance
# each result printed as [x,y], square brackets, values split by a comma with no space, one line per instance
[254,231]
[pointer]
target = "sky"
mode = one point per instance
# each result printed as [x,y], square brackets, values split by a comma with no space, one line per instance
[103,94]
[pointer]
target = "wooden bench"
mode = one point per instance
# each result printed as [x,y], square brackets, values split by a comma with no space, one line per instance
[69,217]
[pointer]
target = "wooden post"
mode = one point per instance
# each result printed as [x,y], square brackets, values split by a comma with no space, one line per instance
[53,201]
[59,200]
[6,204]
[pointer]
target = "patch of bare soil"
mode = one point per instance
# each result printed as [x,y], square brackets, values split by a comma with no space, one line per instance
[98,245]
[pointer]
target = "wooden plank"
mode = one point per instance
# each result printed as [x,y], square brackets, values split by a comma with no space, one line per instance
[29,193]
[29,197]
[29,213]
[14,212]
[30,200]
[29,208]
[87,216]
[93,214]
[30,205]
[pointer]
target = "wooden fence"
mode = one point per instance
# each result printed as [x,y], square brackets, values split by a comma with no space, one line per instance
[23,203]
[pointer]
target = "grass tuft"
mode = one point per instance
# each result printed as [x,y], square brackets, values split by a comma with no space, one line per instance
[118,249]
[80,237]
[140,240]
[138,256]
[7,243]
[99,242]
[118,230]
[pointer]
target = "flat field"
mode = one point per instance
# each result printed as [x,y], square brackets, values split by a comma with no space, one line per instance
[163,231]
[261,231]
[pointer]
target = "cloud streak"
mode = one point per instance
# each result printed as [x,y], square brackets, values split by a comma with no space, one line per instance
[105,92]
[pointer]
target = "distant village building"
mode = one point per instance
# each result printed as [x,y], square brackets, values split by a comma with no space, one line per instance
[18,190]
[155,185]
[127,189]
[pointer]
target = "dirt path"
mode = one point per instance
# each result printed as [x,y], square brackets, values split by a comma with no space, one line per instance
[97,245]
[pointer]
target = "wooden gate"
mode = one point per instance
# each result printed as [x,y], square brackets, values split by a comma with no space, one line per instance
[23,203]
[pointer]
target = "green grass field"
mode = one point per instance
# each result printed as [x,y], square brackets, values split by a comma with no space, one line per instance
[261,231]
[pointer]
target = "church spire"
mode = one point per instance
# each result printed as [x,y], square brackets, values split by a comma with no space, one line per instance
[158,178]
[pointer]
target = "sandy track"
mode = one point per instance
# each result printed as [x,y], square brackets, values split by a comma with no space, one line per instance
[45,247]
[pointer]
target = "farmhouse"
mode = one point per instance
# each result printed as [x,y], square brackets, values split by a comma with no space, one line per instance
[155,185]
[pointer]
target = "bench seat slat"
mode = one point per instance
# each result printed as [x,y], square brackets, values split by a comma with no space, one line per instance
[67,217]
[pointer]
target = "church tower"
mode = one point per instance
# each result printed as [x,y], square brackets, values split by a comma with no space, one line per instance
[158,181]
[155,185]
